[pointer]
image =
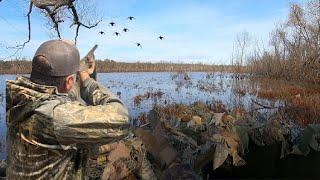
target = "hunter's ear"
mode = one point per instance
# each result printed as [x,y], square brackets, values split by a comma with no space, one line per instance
[69,82]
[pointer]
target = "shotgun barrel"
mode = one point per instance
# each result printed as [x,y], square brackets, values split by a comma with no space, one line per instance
[90,53]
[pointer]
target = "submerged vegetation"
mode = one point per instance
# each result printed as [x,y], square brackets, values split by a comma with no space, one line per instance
[154,95]
[300,102]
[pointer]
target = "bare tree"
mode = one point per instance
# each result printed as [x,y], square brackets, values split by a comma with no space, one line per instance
[59,11]
[239,49]
[295,46]
[242,41]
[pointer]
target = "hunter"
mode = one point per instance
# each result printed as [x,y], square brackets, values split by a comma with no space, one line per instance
[50,135]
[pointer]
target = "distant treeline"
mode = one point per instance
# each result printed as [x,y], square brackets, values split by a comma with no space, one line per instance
[24,67]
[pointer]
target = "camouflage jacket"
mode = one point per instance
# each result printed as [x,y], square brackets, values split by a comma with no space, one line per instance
[50,134]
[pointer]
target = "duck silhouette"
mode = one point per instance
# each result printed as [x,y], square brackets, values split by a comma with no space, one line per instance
[131,18]
[138,45]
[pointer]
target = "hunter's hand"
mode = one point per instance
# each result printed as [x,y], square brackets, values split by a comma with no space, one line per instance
[83,75]
[91,64]
[86,68]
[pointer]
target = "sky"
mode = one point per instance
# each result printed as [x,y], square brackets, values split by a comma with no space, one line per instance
[194,30]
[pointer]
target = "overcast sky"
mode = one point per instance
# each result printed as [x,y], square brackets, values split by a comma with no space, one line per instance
[193,30]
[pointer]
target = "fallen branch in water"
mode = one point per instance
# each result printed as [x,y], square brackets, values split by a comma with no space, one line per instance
[263,106]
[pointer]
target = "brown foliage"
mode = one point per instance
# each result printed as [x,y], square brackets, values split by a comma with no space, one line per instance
[15,67]
[113,66]
[24,67]
[301,102]
[305,109]
[295,47]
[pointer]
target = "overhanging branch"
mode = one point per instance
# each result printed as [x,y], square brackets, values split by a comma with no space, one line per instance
[78,23]
[19,47]
[52,9]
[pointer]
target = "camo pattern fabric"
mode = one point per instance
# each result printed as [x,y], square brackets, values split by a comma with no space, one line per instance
[50,136]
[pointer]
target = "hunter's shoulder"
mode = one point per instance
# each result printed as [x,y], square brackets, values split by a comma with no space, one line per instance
[46,107]
[22,83]
[23,91]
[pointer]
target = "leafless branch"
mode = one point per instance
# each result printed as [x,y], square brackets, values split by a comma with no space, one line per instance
[56,5]
[53,19]
[78,23]
[21,46]
[52,9]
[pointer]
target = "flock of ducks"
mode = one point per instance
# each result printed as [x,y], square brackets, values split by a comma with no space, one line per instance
[125,30]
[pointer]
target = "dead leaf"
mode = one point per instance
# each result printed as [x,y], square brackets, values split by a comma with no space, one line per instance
[197,120]
[217,119]
[120,152]
[220,155]
[115,171]
[186,118]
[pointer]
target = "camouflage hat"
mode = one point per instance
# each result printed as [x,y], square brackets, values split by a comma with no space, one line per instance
[55,58]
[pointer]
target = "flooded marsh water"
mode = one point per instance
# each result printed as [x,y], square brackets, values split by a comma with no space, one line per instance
[141,91]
